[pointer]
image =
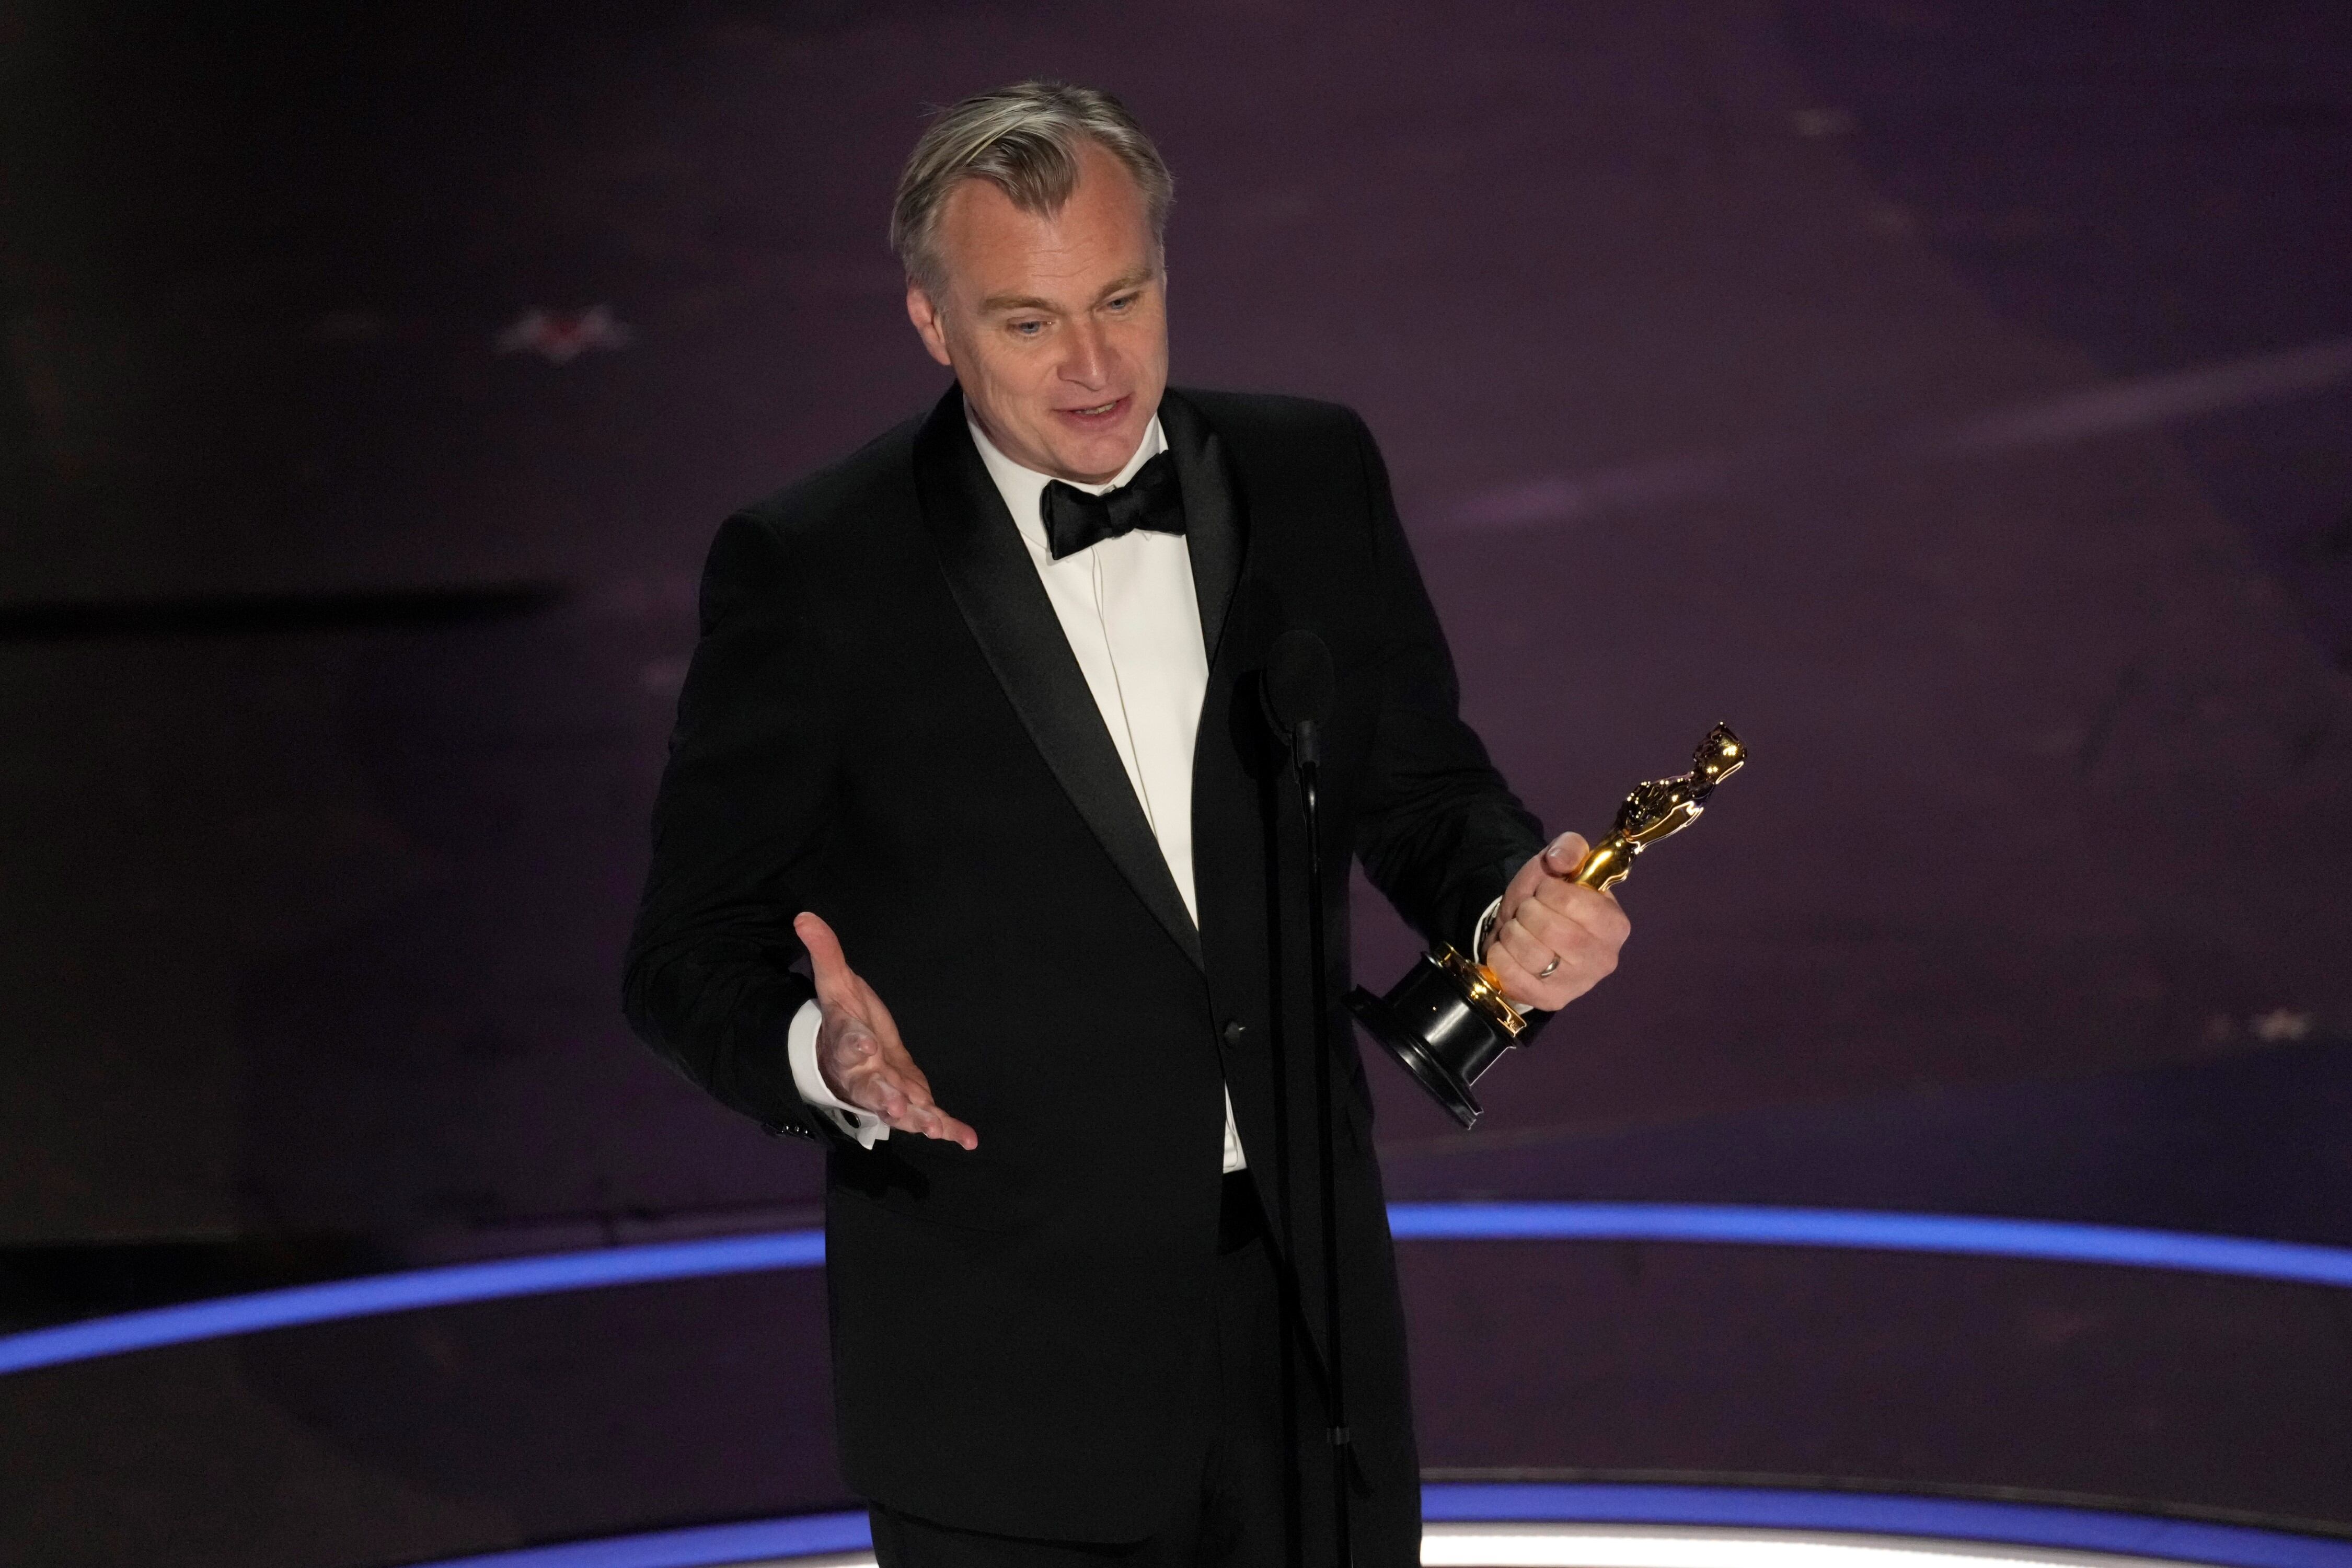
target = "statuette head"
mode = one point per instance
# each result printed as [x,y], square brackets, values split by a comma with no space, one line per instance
[1720,756]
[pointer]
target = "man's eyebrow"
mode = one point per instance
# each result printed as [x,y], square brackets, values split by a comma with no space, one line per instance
[1018,302]
[1135,279]
[1000,302]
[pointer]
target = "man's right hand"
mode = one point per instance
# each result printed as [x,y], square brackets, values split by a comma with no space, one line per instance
[859,1050]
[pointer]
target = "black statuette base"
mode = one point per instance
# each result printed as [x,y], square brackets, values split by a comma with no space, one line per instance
[1429,1026]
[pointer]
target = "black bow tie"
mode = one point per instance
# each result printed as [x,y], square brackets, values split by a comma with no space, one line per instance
[1152,499]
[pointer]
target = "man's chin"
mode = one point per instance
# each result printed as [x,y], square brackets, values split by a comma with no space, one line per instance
[1096,456]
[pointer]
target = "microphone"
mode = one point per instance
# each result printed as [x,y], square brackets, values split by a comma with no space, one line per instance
[1298,691]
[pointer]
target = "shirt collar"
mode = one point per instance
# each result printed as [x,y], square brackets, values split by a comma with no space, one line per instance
[1024,488]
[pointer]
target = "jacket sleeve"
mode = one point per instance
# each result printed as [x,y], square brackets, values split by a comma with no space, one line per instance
[710,982]
[1437,829]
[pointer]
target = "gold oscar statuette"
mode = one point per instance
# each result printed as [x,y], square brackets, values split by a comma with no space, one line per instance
[1447,1020]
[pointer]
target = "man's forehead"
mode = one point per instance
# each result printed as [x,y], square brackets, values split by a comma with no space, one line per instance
[1099,237]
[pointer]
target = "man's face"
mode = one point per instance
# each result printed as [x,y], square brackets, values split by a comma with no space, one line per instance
[1056,327]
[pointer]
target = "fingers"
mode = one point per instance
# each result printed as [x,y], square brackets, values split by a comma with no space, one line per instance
[1535,974]
[1548,957]
[956,1133]
[904,1103]
[869,1067]
[1538,927]
[1560,905]
[1524,947]
[1564,854]
[1520,984]
[1555,862]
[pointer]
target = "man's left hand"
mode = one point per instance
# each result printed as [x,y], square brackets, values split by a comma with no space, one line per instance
[1554,939]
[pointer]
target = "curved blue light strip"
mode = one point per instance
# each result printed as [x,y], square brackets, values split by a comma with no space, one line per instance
[754,1540]
[2045,1239]
[2012,1524]
[1882,1513]
[374,1293]
[2058,1241]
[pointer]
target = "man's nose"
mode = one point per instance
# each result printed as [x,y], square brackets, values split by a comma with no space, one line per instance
[1088,361]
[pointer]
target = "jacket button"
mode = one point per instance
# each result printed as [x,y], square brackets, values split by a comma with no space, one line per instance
[1235,1033]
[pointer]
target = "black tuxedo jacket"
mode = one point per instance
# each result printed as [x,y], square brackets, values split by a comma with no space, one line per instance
[884,723]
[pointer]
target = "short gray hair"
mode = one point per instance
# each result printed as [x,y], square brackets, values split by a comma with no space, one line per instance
[1026,139]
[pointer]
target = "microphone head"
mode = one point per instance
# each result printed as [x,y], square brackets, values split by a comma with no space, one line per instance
[1299,682]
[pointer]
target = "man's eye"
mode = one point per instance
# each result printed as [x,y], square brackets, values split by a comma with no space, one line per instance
[1027,328]
[1121,303]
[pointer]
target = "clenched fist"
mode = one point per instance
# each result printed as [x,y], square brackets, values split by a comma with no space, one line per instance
[1554,939]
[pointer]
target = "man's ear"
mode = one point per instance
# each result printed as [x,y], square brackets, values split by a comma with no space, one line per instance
[927,324]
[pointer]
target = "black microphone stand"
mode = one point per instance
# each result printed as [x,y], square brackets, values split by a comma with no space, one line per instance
[1306,757]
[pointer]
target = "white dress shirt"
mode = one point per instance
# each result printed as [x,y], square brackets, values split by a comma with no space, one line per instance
[1127,609]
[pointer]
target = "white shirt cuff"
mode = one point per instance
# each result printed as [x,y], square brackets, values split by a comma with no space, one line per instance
[1478,934]
[800,1045]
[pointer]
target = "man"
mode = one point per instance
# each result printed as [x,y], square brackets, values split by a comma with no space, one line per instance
[975,726]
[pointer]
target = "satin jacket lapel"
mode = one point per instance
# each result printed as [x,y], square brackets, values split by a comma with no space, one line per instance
[1216,532]
[995,586]
[1213,533]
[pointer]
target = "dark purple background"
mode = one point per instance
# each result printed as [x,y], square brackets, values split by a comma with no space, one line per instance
[1722,354]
